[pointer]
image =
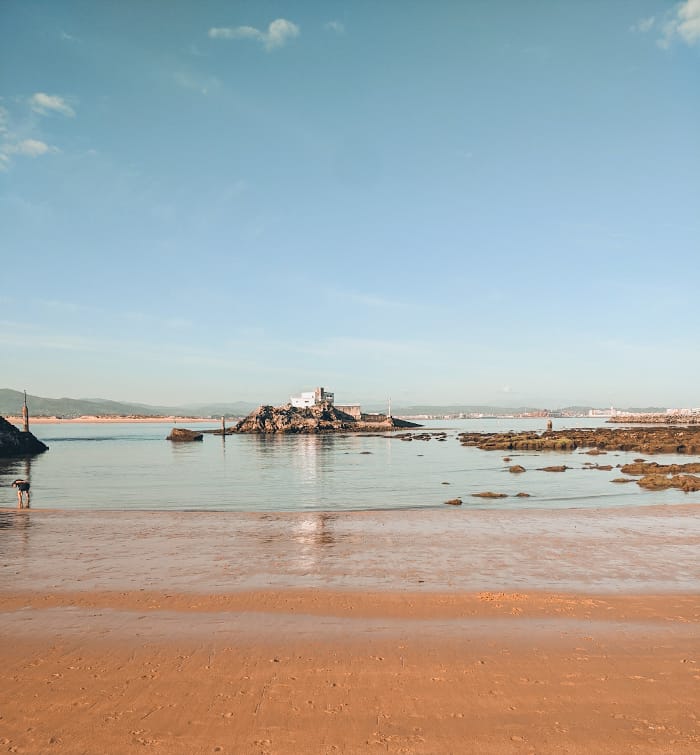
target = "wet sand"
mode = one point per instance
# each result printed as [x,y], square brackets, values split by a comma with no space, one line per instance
[417,631]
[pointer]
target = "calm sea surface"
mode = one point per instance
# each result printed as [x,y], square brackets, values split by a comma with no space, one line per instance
[132,467]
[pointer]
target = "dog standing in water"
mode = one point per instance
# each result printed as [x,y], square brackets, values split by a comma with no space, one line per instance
[22,487]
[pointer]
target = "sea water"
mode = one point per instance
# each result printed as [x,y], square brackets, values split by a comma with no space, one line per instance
[130,466]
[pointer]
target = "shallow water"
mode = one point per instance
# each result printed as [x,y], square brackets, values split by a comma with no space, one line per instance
[124,466]
[628,549]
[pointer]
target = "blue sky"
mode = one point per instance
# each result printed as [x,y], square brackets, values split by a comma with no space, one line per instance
[443,202]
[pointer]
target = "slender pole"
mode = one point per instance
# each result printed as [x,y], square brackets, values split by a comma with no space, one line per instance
[223,425]
[25,414]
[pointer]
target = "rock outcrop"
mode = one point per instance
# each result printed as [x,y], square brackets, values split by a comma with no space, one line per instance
[656,419]
[322,418]
[15,442]
[688,483]
[652,440]
[182,435]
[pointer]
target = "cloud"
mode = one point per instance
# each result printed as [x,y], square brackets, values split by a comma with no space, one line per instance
[336,26]
[28,148]
[197,82]
[277,34]
[369,301]
[50,103]
[24,148]
[643,25]
[683,23]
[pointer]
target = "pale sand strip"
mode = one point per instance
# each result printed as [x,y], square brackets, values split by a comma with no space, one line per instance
[91,662]
[110,420]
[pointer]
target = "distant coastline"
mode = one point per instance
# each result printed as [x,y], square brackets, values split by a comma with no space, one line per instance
[92,419]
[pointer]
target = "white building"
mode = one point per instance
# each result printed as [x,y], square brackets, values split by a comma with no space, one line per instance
[312,398]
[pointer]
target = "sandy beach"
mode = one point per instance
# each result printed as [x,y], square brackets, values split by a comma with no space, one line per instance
[571,631]
[107,420]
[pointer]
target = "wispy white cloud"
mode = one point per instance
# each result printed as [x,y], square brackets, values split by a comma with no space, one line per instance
[335,26]
[369,301]
[643,25]
[684,23]
[277,34]
[28,148]
[20,136]
[44,104]
[197,82]
[358,347]
[4,118]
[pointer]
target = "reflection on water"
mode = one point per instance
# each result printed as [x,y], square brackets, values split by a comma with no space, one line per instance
[313,534]
[14,534]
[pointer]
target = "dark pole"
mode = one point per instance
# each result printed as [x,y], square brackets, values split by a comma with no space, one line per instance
[25,414]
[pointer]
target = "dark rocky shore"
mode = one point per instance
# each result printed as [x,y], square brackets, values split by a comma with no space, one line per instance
[322,418]
[648,440]
[655,419]
[15,442]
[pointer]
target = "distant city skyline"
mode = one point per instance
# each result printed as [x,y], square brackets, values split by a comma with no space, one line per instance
[445,203]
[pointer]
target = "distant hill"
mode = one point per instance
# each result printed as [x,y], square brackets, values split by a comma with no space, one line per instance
[500,411]
[11,405]
[461,409]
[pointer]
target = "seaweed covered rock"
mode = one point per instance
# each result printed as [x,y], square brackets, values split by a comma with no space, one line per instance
[688,483]
[651,440]
[182,435]
[15,442]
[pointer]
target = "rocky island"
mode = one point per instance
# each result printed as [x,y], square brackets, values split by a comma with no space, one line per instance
[15,442]
[322,417]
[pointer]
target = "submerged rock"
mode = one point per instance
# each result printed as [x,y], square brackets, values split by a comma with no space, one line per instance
[489,494]
[454,502]
[15,442]
[516,469]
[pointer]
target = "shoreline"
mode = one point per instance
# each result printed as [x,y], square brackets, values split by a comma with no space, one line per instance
[99,420]
[412,607]
[652,549]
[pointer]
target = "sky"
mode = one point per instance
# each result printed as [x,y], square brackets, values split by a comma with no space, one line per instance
[468,202]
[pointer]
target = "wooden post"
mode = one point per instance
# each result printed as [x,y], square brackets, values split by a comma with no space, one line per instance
[223,425]
[25,414]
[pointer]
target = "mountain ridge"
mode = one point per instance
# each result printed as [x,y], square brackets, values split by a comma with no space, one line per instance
[11,405]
